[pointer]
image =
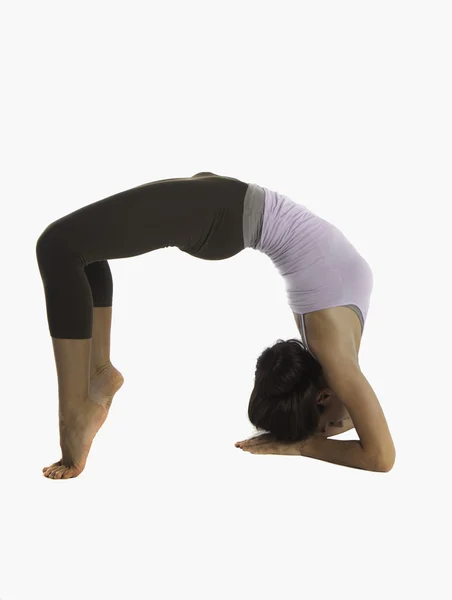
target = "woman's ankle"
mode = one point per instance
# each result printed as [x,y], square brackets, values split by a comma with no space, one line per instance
[100,366]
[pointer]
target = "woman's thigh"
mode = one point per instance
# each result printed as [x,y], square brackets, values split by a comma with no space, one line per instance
[201,215]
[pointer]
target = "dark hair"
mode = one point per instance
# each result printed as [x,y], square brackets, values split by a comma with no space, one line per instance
[283,401]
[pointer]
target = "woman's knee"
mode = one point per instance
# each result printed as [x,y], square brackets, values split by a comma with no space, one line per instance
[51,241]
[45,240]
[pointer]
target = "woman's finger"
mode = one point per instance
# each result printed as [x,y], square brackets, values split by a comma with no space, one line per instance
[267,448]
[245,443]
[257,440]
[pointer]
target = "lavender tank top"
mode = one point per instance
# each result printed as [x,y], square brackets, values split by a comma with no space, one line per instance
[320,267]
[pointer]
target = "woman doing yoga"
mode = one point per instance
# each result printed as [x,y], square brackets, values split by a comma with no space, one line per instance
[304,391]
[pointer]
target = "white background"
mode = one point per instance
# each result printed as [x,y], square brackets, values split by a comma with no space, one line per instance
[344,107]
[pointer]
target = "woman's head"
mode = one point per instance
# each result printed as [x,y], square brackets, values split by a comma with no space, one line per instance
[290,398]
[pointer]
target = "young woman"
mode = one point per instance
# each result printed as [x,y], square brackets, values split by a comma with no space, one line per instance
[303,391]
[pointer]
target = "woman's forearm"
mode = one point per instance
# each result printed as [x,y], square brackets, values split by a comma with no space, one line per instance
[348,453]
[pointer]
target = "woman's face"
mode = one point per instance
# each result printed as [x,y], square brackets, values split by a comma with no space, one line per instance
[335,413]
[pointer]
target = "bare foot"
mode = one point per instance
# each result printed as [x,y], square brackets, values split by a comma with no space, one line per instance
[78,429]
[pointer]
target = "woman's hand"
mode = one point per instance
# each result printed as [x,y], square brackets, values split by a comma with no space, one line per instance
[267,444]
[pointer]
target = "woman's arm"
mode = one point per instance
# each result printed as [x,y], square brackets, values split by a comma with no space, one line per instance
[348,453]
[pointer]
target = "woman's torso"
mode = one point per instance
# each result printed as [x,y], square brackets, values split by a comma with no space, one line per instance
[328,283]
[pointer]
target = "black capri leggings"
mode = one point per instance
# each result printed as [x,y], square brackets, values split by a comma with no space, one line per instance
[201,215]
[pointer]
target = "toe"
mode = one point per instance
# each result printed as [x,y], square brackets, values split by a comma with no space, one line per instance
[58,472]
[57,464]
[70,472]
[51,471]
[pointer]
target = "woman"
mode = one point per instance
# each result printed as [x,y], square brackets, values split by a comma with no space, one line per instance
[215,217]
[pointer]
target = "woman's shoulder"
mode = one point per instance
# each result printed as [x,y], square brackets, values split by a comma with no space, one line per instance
[338,327]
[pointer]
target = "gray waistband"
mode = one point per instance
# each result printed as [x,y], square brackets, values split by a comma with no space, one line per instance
[253,214]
